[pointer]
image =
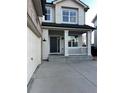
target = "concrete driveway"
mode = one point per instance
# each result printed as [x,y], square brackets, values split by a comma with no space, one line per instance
[61,77]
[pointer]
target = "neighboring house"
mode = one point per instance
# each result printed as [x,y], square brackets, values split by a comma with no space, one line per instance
[63,27]
[94,21]
[35,8]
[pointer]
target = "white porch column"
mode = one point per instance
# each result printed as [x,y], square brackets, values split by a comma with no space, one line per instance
[88,35]
[66,42]
[80,38]
[45,40]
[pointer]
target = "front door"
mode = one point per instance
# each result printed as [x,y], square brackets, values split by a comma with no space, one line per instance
[54,44]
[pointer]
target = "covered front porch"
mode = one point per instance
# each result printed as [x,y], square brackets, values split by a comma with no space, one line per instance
[66,41]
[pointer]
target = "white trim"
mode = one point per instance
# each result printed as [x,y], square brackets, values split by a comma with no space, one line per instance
[45,45]
[57,1]
[54,35]
[89,42]
[73,47]
[61,52]
[69,10]
[77,54]
[84,5]
[94,19]
[55,53]
[51,14]
[66,32]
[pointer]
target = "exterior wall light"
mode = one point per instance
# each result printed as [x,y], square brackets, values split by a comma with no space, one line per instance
[44,40]
[62,38]
[76,36]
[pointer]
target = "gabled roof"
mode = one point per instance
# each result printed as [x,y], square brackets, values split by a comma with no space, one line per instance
[67,25]
[86,7]
[94,19]
[39,5]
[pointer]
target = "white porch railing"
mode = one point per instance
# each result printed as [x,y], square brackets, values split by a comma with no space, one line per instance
[77,50]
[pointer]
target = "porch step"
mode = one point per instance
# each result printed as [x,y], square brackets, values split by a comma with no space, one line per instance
[57,58]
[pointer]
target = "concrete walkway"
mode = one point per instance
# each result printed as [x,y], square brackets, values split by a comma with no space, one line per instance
[61,77]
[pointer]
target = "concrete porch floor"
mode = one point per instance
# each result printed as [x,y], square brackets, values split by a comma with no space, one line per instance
[61,77]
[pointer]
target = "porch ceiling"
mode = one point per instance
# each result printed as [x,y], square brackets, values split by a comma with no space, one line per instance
[70,27]
[76,32]
[61,32]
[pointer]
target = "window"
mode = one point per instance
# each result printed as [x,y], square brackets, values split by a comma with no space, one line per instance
[65,16]
[72,16]
[69,15]
[48,14]
[73,41]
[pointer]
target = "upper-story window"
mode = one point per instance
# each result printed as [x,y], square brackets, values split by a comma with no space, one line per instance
[48,14]
[69,15]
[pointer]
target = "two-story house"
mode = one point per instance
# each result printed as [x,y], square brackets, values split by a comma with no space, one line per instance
[63,27]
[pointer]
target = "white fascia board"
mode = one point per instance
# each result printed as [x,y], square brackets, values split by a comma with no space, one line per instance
[63,28]
[94,19]
[56,1]
[78,1]
[82,3]
[32,26]
[38,7]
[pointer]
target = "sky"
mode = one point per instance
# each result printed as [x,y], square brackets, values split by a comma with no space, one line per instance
[90,13]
